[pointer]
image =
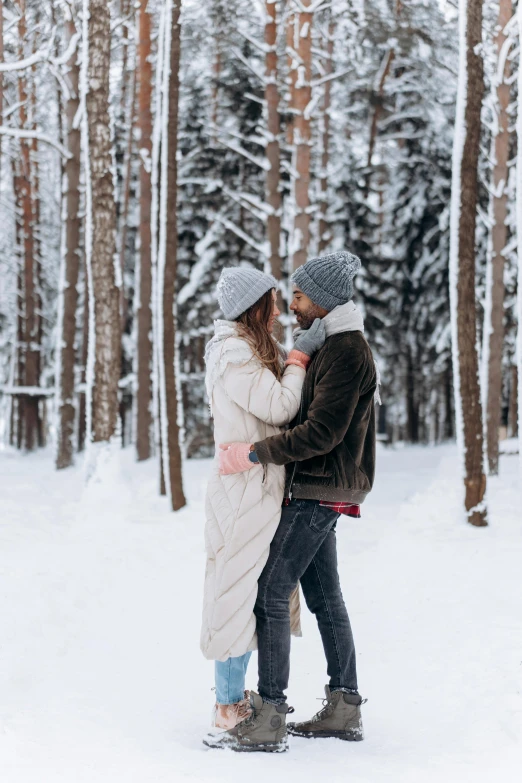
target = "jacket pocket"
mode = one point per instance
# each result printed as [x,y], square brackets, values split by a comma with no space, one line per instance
[315,466]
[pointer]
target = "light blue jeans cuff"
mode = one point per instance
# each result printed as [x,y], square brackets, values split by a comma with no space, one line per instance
[230,679]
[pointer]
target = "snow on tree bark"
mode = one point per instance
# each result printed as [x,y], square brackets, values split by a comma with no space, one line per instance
[104,356]
[273,194]
[301,96]
[31,347]
[519,250]
[324,228]
[143,309]
[494,310]
[68,293]
[462,259]
[167,264]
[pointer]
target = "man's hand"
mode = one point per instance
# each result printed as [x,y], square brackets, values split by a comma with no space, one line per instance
[233,458]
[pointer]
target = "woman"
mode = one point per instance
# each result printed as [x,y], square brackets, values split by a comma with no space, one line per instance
[253,394]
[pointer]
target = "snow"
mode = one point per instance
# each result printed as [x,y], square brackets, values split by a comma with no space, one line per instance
[100,672]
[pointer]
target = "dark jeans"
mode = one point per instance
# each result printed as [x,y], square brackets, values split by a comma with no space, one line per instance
[304,549]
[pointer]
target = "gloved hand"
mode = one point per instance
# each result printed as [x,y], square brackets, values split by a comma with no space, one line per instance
[310,340]
[233,458]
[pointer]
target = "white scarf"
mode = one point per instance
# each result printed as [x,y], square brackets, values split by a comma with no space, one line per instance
[347,318]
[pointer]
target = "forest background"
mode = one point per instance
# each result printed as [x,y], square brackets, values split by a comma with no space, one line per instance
[146,144]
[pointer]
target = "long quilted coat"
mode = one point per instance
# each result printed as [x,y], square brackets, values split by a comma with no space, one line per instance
[242,510]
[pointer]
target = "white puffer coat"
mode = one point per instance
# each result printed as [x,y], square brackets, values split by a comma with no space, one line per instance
[242,510]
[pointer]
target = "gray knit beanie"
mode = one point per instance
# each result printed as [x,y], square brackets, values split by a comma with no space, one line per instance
[328,280]
[240,287]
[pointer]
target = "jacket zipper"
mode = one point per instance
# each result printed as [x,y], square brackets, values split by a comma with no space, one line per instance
[295,463]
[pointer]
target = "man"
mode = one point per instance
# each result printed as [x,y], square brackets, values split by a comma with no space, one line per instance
[330,456]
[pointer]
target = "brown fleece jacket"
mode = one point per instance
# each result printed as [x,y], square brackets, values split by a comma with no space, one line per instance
[330,446]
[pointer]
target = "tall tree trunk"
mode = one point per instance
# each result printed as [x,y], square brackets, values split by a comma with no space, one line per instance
[273,195]
[468,408]
[104,359]
[1,81]
[70,267]
[302,94]
[128,111]
[519,252]
[82,406]
[494,315]
[324,226]
[31,354]
[168,266]
[144,314]
[513,403]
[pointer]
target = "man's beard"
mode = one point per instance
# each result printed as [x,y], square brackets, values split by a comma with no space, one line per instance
[306,319]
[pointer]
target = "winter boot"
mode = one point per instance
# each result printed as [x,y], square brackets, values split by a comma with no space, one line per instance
[264,730]
[340,717]
[226,716]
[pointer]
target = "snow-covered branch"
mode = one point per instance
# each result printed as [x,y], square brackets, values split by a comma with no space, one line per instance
[17,133]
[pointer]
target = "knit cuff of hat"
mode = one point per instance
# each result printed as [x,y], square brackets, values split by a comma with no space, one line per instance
[298,358]
[319,296]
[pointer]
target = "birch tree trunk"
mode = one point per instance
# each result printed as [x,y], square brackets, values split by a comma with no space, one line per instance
[143,312]
[30,345]
[468,408]
[301,96]
[273,195]
[69,276]
[494,314]
[104,356]
[170,406]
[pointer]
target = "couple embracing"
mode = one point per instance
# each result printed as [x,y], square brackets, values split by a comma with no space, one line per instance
[295,450]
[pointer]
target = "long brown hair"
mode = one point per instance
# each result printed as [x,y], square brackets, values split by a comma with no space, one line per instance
[253,326]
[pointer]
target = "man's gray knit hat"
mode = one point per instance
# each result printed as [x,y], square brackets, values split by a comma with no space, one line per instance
[328,280]
[240,287]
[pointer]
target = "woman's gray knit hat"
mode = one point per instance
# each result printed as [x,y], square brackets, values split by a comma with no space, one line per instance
[239,287]
[328,280]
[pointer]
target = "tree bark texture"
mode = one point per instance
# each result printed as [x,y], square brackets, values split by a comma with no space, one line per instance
[169,280]
[103,289]
[324,227]
[69,294]
[301,95]
[494,326]
[273,195]
[475,479]
[143,313]
[30,327]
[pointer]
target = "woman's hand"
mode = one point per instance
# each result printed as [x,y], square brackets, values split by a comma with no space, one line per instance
[233,458]
[310,340]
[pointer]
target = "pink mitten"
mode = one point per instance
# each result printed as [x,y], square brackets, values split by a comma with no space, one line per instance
[233,458]
[298,358]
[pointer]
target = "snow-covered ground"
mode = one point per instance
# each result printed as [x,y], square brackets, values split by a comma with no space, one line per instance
[101,679]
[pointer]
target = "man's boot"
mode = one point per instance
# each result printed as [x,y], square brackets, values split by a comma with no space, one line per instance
[340,717]
[264,730]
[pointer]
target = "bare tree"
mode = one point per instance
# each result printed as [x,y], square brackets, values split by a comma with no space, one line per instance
[104,357]
[172,452]
[30,330]
[143,311]
[273,195]
[300,52]
[324,228]
[494,315]
[68,293]
[462,260]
